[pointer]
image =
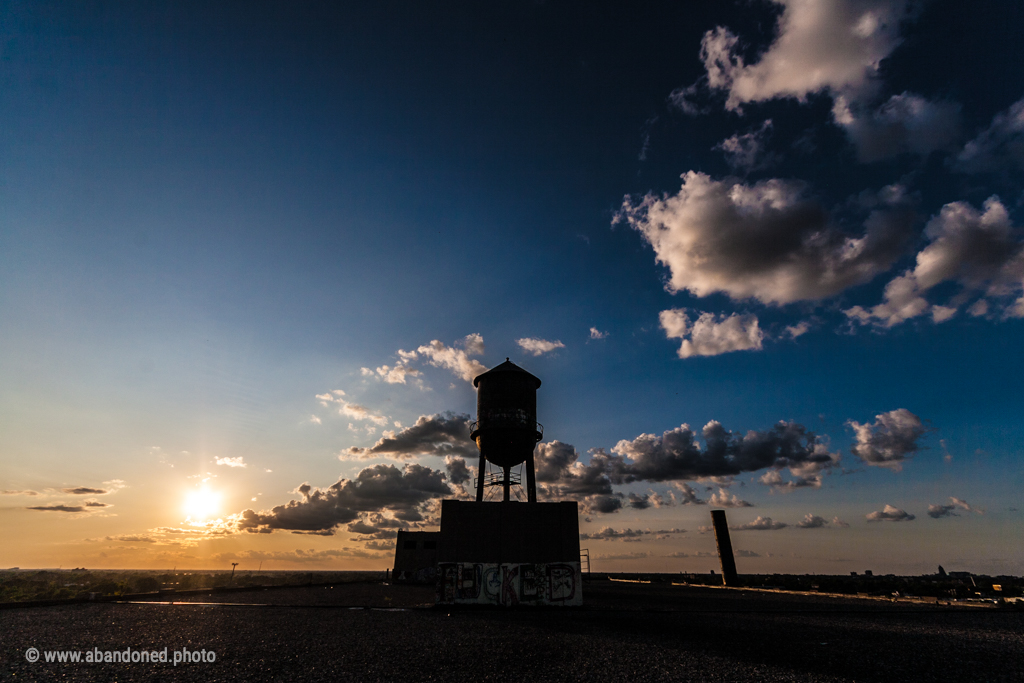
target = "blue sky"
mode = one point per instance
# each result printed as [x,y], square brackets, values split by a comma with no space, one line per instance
[805,212]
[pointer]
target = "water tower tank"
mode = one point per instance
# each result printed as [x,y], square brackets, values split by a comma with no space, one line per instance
[506,429]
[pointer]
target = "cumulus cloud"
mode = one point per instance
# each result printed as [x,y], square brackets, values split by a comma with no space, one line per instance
[377,488]
[538,347]
[904,123]
[760,524]
[976,249]
[998,147]
[939,511]
[232,462]
[676,456]
[597,334]
[688,495]
[889,514]
[444,434]
[601,503]
[711,335]
[774,480]
[395,374]
[458,471]
[839,523]
[722,499]
[746,152]
[820,45]
[889,440]
[610,534]
[812,522]
[763,241]
[456,359]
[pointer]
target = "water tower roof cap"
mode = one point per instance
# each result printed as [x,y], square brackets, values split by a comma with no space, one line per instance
[507,366]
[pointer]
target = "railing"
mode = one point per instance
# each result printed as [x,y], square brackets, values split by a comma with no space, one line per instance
[502,422]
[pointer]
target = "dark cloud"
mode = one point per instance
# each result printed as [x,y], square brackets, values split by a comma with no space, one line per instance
[552,459]
[19,493]
[601,504]
[639,502]
[677,456]
[458,472]
[381,487]
[441,435]
[85,491]
[57,507]
[889,440]
[96,504]
[997,148]
[939,511]
[746,553]
[889,514]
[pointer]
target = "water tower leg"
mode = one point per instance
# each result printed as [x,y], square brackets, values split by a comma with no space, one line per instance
[507,484]
[481,471]
[531,480]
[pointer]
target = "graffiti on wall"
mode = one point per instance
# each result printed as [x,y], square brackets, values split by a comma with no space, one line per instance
[509,584]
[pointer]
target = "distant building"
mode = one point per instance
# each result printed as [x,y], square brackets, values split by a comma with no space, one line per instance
[416,556]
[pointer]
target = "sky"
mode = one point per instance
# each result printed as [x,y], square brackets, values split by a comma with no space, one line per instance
[765,256]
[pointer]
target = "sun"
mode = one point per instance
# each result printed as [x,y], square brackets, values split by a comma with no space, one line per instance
[202,504]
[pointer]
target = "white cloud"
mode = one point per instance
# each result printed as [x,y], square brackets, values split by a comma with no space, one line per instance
[352,410]
[799,329]
[232,462]
[763,241]
[597,334]
[890,514]
[998,147]
[315,420]
[746,152]
[455,359]
[538,346]
[396,374]
[976,249]
[820,45]
[904,123]
[722,499]
[761,524]
[889,440]
[839,523]
[711,335]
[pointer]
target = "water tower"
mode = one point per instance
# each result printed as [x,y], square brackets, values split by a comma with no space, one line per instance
[506,429]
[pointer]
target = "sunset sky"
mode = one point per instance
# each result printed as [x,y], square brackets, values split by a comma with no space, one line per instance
[763,255]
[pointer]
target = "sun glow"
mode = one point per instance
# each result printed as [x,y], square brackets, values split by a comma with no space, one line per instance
[202,504]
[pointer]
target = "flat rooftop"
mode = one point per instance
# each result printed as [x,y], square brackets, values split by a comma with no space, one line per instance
[624,631]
